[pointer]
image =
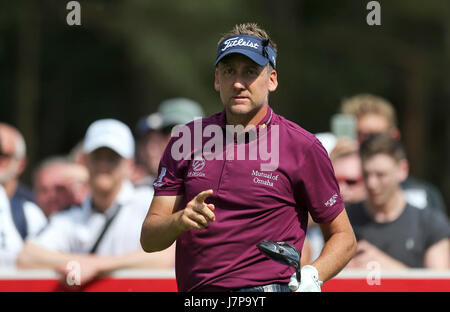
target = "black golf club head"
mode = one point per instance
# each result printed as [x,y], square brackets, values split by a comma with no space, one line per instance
[282,252]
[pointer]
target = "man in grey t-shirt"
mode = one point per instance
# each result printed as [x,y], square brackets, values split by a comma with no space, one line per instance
[389,231]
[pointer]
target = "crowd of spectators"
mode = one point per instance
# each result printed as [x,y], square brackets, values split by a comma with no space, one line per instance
[399,221]
[89,206]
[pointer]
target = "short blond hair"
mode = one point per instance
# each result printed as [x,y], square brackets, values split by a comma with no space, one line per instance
[363,104]
[251,29]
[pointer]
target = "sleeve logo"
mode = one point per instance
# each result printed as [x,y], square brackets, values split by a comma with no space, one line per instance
[159,182]
[331,201]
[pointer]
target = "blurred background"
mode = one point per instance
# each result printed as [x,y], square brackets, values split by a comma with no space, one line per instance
[128,56]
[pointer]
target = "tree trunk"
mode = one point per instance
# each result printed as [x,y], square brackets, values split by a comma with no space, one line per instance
[27,74]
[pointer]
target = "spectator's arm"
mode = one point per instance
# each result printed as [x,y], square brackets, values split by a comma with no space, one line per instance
[94,266]
[139,259]
[33,256]
[91,266]
[367,253]
[437,255]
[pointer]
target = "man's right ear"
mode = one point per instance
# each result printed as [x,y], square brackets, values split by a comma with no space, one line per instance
[404,169]
[216,81]
[395,133]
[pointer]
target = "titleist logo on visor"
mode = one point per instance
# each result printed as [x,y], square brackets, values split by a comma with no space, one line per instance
[236,41]
[257,49]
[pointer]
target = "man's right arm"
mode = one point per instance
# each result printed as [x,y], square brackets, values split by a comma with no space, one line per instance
[165,222]
[160,228]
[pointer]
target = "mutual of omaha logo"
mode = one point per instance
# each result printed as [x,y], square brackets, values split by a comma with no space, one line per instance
[265,178]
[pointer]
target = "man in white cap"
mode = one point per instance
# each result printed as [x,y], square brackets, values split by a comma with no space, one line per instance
[103,234]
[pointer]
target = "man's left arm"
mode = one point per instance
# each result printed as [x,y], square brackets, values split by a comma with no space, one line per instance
[339,247]
[437,256]
[315,185]
[340,241]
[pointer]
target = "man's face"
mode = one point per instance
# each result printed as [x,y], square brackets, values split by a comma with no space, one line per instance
[151,148]
[244,86]
[53,190]
[349,176]
[10,165]
[107,170]
[370,123]
[382,177]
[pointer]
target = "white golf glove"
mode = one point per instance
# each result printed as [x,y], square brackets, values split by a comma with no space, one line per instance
[309,280]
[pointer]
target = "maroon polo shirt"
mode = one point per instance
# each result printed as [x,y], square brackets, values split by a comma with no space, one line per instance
[251,205]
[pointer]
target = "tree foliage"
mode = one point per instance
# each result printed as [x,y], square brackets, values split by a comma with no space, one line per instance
[129,55]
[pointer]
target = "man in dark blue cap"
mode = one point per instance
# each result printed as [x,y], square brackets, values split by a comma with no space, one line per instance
[153,134]
[245,98]
[218,209]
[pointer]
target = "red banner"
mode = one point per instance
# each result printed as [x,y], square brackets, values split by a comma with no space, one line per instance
[164,281]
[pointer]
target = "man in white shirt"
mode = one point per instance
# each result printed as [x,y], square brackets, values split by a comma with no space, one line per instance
[19,217]
[103,234]
[11,241]
[13,161]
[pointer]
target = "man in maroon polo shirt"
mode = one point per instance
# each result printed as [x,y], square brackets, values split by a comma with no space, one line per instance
[246,174]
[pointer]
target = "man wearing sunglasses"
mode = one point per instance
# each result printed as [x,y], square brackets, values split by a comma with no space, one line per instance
[347,168]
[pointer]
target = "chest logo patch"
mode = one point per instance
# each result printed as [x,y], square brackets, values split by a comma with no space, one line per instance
[197,167]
